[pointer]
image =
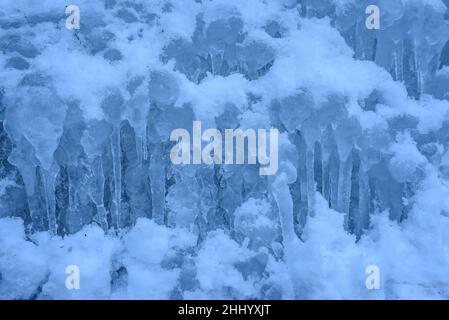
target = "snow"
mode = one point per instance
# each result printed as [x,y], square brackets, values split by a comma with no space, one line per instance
[86,178]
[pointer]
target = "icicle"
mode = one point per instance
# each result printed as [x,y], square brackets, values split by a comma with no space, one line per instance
[318,167]
[334,174]
[364,199]
[48,179]
[144,147]
[98,192]
[300,186]
[311,187]
[141,148]
[352,217]
[344,185]
[117,171]
[302,162]
[157,181]
[282,196]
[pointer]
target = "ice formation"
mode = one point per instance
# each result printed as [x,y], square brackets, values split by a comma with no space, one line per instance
[86,177]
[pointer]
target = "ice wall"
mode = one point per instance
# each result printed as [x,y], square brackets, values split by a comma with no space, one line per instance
[86,117]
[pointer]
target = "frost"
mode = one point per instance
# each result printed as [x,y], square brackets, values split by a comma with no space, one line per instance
[85,171]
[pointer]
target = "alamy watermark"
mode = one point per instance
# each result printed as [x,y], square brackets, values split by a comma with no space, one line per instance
[72,281]
[74,18]
[189,150]
[373,20]
[372,282]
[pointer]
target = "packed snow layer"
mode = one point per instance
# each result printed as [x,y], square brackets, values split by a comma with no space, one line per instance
[86,178]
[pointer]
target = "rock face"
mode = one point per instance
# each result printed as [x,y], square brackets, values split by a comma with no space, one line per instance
[86,117]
